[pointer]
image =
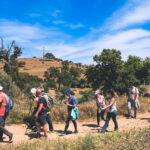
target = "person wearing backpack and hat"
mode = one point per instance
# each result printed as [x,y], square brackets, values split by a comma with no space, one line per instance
[71,103]
[48,118]
[100,101]
[41,114]
[2,117]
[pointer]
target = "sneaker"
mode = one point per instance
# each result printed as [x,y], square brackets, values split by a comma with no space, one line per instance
[64,133]
[10,138]
[129,117]
[134,117]
[116,129]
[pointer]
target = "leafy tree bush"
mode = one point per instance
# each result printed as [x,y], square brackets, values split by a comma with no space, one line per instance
[49,56]
[8,85]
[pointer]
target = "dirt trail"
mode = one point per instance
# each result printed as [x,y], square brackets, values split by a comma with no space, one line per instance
[84,128]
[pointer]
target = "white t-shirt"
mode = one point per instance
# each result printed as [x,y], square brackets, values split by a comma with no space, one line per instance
[133,92]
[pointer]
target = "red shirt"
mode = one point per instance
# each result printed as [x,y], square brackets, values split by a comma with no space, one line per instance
[2,104]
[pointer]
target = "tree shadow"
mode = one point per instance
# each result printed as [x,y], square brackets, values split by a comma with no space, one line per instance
[90,125]
[148,119]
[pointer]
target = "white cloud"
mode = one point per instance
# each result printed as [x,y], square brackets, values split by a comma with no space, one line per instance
[139,14]
[134,41]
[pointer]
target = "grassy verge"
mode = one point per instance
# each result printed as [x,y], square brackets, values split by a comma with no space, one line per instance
[87,110]
[124,140]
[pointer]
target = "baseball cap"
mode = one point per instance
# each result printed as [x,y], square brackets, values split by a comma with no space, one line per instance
[1,88]
[68,91]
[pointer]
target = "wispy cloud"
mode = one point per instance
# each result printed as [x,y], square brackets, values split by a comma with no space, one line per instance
[115,33]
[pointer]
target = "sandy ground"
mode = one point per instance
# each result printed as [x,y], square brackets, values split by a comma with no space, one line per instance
[84,128]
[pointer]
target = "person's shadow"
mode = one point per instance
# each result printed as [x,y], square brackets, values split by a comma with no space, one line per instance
[61,132]
[90,125]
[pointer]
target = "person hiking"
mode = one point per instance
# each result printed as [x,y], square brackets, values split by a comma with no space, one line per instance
[71,103]
[41,114]
[48,118]
[133,100]
[112,111]
[100,101]
[2,117]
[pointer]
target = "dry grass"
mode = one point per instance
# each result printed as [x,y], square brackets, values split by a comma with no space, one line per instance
[124,140]
[87,110]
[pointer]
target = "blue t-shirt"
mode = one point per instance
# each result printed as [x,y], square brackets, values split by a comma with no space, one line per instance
[71,101]
[42,101]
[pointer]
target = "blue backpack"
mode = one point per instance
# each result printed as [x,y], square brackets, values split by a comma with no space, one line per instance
[9,104]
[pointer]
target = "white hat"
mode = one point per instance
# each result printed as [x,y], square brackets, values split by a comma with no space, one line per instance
[33,90]
[97,92]
[1,88]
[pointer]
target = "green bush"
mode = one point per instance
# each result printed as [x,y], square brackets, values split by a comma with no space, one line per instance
[86,96]
[9,87]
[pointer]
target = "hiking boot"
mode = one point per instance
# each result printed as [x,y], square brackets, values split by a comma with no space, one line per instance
[10,138]
[38,135]
[76,131]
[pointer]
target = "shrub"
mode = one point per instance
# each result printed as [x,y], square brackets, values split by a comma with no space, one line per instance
[9,87]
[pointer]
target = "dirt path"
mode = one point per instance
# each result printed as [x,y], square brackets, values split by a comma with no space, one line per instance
[84,128]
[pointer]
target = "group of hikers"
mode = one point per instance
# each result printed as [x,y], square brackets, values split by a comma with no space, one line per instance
[41,114]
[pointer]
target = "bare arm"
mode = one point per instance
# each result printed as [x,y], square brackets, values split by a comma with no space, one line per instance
[71,105]
[112,102]
[39,109]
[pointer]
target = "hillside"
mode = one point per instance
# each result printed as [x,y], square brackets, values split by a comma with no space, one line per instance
[36,66]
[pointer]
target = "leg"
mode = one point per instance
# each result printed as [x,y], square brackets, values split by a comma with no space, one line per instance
[98,116]
[4,130]
[38,127]
[75,126]
[67,123]
[114,118]
[106,122]
[45,130]
[102,115]
[48,119]
[135,110]
[129,108]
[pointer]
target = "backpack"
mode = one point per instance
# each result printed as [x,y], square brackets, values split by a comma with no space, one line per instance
[9,104]
[49,101]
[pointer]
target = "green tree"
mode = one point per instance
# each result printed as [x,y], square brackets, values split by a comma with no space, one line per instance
[107,71]
[9,57]
[49,56]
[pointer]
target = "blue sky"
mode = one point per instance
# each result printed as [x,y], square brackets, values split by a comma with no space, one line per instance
[77,29]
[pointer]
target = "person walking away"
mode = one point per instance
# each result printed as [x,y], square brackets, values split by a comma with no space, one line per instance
[133,100]
[41,114]
[112,111]
[71,103]
[2,118]
[100,101]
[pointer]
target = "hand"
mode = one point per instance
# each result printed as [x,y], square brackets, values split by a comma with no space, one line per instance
[103,108]
[36,115]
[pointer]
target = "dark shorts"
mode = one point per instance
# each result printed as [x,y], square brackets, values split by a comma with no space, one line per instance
[41,119]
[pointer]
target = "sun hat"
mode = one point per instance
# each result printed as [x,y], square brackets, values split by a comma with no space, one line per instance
[97,92]
[1,88]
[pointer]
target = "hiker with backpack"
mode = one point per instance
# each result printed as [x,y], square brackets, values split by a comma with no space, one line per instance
[41,114]
[112,111]
[133,100]
[49,101]
[100,102]
[71,104]
[3,115]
